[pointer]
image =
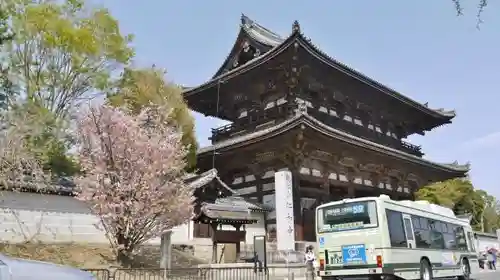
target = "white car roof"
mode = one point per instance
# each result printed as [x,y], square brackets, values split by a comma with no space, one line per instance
[19,269]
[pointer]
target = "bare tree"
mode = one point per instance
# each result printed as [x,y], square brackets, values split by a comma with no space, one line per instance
[480,9]
[19,167]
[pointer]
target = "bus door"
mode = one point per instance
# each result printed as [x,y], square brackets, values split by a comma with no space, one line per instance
[471,241]
[410,238]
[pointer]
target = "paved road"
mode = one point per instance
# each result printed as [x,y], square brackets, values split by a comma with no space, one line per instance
[487,276]
[479,276]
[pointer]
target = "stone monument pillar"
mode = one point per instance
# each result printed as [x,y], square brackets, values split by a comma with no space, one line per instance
[285,224]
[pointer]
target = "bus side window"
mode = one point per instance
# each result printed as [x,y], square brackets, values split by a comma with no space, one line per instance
[416,221]
[449,237]
[437,238]
[422,233]
[460,238]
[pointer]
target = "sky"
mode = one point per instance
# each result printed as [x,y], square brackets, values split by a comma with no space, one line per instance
[420,48]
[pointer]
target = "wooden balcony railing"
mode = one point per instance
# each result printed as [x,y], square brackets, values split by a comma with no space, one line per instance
[250,123]
[254,122]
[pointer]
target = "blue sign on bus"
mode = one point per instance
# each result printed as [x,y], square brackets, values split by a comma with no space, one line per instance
[354,254]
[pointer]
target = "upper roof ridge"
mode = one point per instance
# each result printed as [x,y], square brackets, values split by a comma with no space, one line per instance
[274,42]
[250,25]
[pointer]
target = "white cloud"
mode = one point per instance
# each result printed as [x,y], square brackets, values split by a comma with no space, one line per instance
[485,141]
[467,150]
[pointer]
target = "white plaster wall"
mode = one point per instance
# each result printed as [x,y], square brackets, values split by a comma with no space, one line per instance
[58,219]
[251,229]
[52,227]
[484,242]
[256,229]
[62,219]
[25,225]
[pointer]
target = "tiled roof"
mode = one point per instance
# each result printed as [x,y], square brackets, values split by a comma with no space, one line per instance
[229,214]
[239,202]
[233,208]
[302,118]
[206,177]
[373,83]
[265,36]
[254,31]
[42,202]
[260,33]
[240,69]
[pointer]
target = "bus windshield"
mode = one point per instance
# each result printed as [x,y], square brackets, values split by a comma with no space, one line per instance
[347,216]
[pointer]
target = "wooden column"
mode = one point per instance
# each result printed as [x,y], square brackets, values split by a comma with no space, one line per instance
[297,209]
[258,172]
[351,188]
[214,243]
[395,196]
[351,191]
[412,195]
[325,184]
[259,186]
[238,244]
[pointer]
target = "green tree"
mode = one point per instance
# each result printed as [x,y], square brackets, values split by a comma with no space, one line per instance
[5,31]
[65,51]
[140,88]
[50,144]
[446,193]
[7,88]
[457,194]
[490,218]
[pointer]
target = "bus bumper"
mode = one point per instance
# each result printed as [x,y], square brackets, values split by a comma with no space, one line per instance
[355,274]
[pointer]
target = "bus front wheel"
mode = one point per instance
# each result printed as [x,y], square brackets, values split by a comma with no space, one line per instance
[425,270]
[465,267]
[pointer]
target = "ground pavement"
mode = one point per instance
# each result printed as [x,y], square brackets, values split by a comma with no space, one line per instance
[487,275]
[483,275]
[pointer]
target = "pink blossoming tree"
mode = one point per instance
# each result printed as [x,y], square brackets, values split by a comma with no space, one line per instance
[133,175]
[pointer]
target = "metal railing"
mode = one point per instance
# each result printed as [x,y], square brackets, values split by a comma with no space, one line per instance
[100,274]
[229,273]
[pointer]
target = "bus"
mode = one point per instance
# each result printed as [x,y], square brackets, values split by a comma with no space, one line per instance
[386,239]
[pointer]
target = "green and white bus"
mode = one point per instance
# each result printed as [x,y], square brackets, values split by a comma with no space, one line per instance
[386,239]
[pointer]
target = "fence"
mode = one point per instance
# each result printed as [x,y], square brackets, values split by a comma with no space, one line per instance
[236,273]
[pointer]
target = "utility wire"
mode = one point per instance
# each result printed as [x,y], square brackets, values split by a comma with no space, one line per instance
[217,116]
